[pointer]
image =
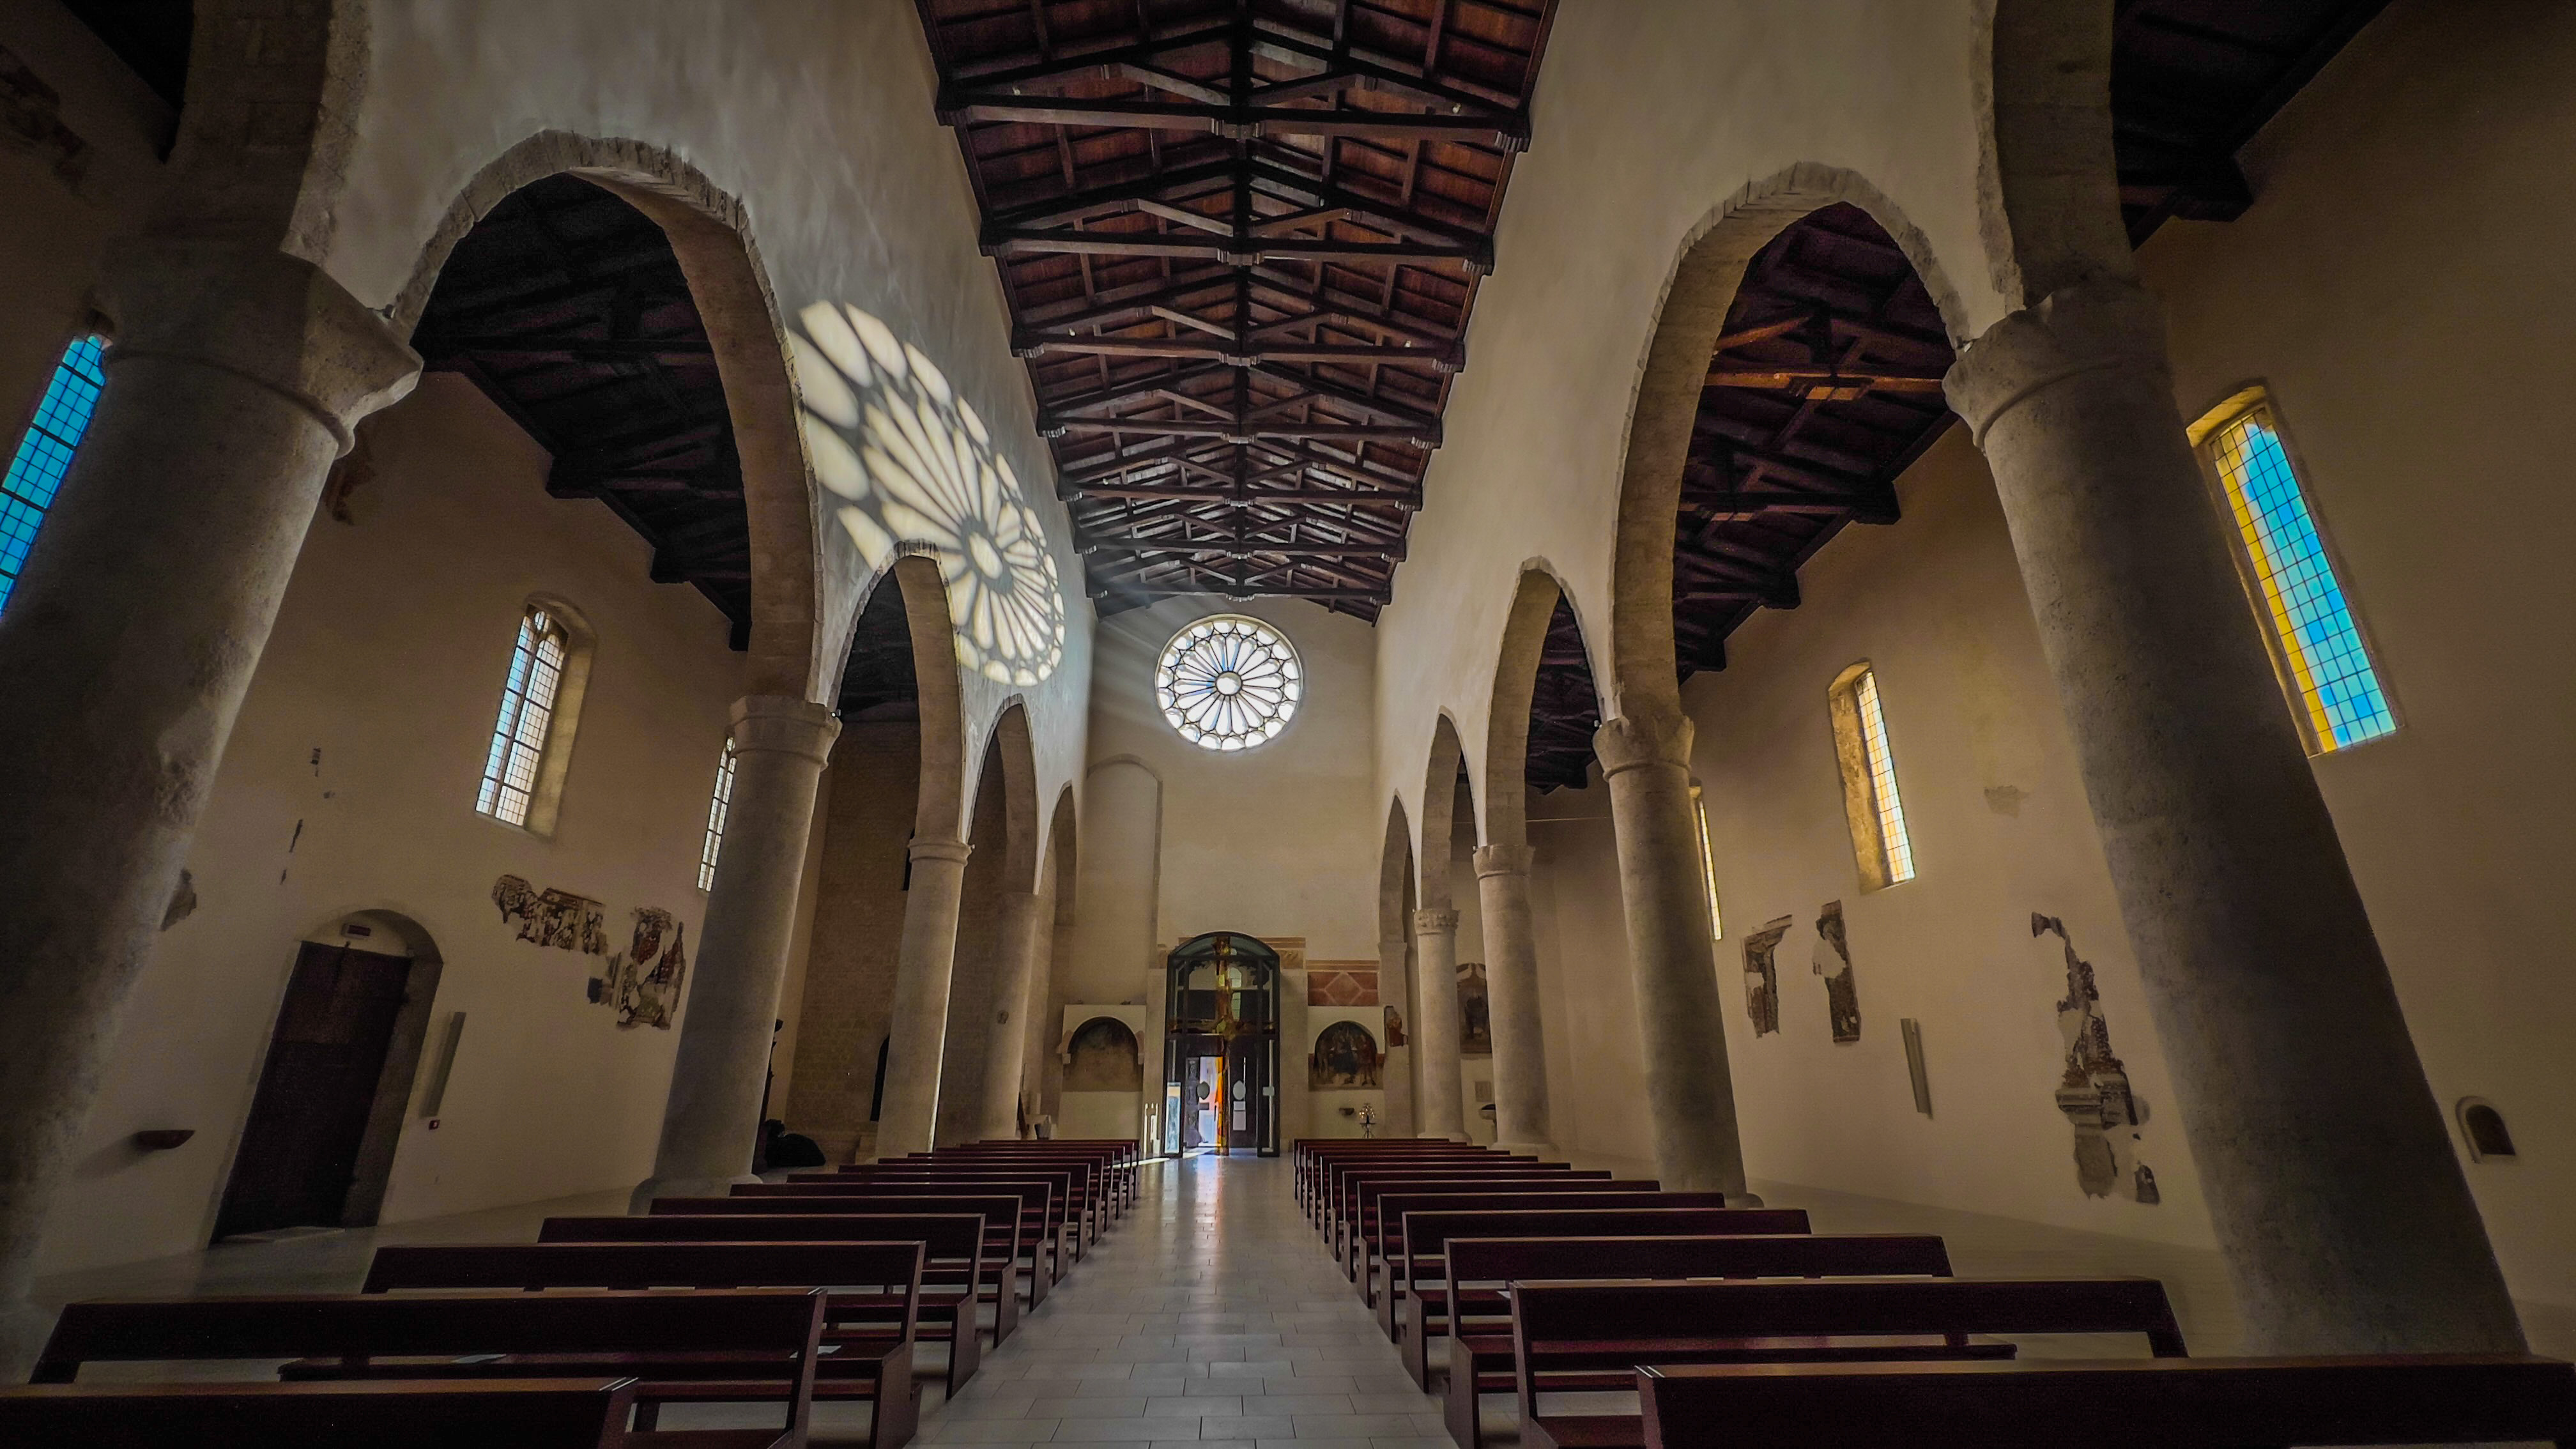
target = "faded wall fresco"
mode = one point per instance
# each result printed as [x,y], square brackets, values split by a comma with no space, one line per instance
[1832,960]
[1762,975]
[1345,1057]
[554,918]
[643,985]
[1475,1012]
[1102,1057]
[2093,1091]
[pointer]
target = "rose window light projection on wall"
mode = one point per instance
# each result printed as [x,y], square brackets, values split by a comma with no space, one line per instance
[915,464]
[1229,683]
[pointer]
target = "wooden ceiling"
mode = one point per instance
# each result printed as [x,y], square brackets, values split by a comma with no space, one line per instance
[566,307]
[880,669]
[1240,240]
[1564,710]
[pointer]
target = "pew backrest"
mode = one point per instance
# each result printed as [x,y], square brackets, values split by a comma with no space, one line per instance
[2114,1404]
[581,1413]
[1570,1315]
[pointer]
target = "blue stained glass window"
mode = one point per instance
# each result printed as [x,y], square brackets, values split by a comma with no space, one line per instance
[2336,689]
[45,455]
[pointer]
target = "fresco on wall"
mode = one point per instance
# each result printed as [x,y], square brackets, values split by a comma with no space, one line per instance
[642,985]
[1832,960]
[1345,1057]
[1341,983]
[1101,1057]
[2093,1090]
[554,918]
[1475,1015]
[1394,1028]
[1762,975]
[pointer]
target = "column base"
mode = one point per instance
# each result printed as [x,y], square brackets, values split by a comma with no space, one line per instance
[641,1200]
[1534,1149]
[1744,1199]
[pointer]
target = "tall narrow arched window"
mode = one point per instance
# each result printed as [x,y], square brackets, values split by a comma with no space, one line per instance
[1707,865]
[1871,805]
[2324,664]
[532,736]
[717,807]
[44,455]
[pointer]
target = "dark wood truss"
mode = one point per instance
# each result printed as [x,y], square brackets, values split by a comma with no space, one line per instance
[1564,709]
[1240,240]
[1825,385]
[567,308]
[2193,80]
[880,668]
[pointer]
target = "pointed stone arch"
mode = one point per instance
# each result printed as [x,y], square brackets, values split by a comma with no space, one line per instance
[2048,186]
[1439,797]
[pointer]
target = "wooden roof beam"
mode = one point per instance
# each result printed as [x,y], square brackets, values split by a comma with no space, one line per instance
[1251,498]
[1238,354]
[1050,426]
[961,107]
[1240,248]
[1237,548]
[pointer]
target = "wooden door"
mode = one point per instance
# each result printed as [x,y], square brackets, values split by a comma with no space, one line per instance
[300,1150]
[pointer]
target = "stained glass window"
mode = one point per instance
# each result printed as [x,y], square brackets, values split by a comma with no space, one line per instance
[716,809]
[2327,668]
[1229,683]
[1882,780]
[1707,865]
[518,750]
[45,455]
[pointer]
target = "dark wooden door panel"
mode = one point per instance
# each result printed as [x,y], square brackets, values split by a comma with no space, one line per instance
[299,1152]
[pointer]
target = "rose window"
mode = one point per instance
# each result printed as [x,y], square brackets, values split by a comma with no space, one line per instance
[1229,683]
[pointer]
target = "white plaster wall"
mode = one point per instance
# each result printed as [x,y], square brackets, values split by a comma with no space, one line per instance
[1116,885]
[1648,116]
[816,115]
[1278,841]
[387,658]
[2000,829]
[2401,286]
[1587,993]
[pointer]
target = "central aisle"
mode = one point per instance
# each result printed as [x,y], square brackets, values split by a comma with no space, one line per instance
[1212,1311]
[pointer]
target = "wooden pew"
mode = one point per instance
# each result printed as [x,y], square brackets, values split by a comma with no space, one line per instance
[960,1266]
[1032,1230]
[868,1336]
[1050,1197]
[1363,1226]
[1008,1226]
[1313,1162]
[576,1413]
[1351,1196]
[2115,1404]
[1571,1328]
[1331,1169]
[745,1347]
[1477,1323]
[1424,1236]
[1387,1247]
[1077,1194]
[1117,1160]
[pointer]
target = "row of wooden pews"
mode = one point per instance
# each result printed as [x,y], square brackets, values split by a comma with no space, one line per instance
[1498,1274]
[825,1288]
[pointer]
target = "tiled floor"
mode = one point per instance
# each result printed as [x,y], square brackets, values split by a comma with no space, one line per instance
[1211,1312]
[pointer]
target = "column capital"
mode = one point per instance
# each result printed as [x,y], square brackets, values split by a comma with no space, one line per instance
[784,724]
[1435,922]
[2092,327]
[1634,741]
[279,321]
[932,847]
[1504,859]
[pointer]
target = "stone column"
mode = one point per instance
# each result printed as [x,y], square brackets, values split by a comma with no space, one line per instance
[1511,985]
[2339,1204]
[1690,1095]
[236,378]
[918,1030]
[1006,1047]
[1393,974]
[1435,944]
[711,1122]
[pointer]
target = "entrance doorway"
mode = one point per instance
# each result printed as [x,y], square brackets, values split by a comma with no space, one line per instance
[1221,1046]
[308,1122]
